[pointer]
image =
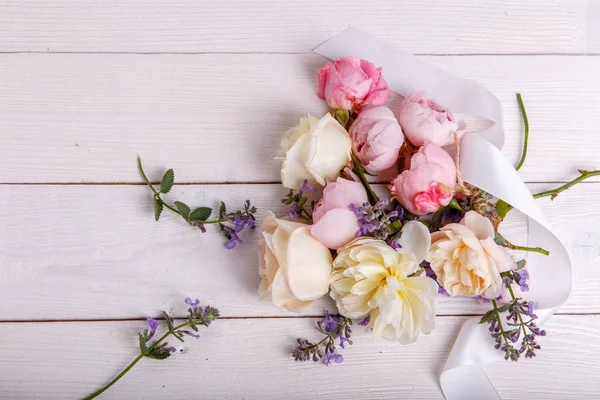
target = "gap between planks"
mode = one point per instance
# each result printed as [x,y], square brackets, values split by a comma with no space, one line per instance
[55,321]
[216,183]
[192,53]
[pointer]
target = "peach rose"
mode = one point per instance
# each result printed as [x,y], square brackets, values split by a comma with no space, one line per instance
[335,225]
[466,260]
[376,139]
[351,83]
[428,184]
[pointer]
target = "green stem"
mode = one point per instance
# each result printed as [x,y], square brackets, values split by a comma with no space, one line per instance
[373,198]
[499,318]
[138,358]
[512,294]
[532,249]
[149,184]
[108,385]
[526,123]
[555,192]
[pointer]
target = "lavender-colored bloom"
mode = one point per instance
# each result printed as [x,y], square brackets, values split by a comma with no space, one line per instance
[190,333]
[338,358]
[442,291]
[394,244]
[531,305]
[238,224]
[521,277]
[307,187]
[365,321]
[194,304]
[293,213]
[328,323]
[451,216]
[153,325]
[199,225]
[233,241]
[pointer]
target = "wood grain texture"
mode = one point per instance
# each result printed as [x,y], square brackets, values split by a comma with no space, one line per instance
[95,252]
[219,118]
[461,26]
[234,359]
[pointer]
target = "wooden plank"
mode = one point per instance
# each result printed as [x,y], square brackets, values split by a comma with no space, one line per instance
[233,359]
[92,252]
[219,117]
[464,26]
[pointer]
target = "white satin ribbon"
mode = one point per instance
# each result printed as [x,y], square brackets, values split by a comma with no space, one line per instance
[482,165]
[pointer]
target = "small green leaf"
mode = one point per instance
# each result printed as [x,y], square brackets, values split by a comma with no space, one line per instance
[200,214]
[454,204]
[183,209]
[504,308]
[502,208]
[169,320]
[521,264]
[158,208]
[343,116]
[488,316]
[499,239]
[143,346]
[222,209]
[158,354]
[166,183]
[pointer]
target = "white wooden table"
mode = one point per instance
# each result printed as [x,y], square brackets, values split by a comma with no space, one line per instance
[208,87]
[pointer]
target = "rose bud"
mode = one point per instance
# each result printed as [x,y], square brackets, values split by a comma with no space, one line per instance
[335,225]
[351,83]
[425,121]
[428,184]
[376,139]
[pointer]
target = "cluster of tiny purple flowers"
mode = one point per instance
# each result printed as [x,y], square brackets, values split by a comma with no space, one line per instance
[297,202]
[377,221]
[231,224]
[337,330]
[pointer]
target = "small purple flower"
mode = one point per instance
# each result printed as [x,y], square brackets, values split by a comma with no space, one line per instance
[194,304]
[307,187]
[442,291]
[521,278]
[365,321]
[190,333]
[394,244]
[233,241]
[293,213]
[338,358]
[199,225]
[238,224]
[153,325]
[531,305]
[329,323]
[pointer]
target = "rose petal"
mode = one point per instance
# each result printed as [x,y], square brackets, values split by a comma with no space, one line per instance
[480,225]
[416,239]
[336,228]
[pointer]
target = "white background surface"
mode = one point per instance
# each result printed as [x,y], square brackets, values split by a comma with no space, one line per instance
[208,87]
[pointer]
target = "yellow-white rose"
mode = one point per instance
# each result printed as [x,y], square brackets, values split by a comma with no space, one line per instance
[371,278]
[466,259]
[293,265]
[315,150]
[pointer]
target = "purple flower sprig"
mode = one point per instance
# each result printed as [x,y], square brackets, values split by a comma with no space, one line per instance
[519,323]
[378,220]
[230,224]
[337,329]
[297,202]
[160,348]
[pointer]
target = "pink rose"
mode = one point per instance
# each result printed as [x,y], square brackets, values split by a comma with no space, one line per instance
[335,225]
[425,121]
[428,184]
[376,138]
[351,83]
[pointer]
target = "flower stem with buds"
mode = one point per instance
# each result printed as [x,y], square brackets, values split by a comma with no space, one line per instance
[555,192]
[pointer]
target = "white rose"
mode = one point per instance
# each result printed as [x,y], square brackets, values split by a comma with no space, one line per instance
[293,265]
[371,278]
[466,259]
[316,150]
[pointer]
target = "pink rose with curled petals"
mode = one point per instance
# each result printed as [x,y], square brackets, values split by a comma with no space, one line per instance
[351,83]
[425,121]
[428,184]
[335,225]
[376,138]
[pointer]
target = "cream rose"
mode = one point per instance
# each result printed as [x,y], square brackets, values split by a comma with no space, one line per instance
[371,278]
[315,150]
[293,265]
[466,259]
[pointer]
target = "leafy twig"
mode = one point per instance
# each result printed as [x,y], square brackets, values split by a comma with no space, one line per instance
[159,350]
[334,327]
[359,170]
[501,240]
[555,192]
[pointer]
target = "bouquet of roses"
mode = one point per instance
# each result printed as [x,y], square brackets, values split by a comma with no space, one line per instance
[384,261]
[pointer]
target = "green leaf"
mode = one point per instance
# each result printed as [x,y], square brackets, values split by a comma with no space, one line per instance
[222,209]
[504,308]
[521,264]
[343,116]
[502,208]
[488,316]
[499,239]
[454,204]
[183,209]
[158,354]
[158,208]
[166,183]
[143,346]
[200,214]
[169,320]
